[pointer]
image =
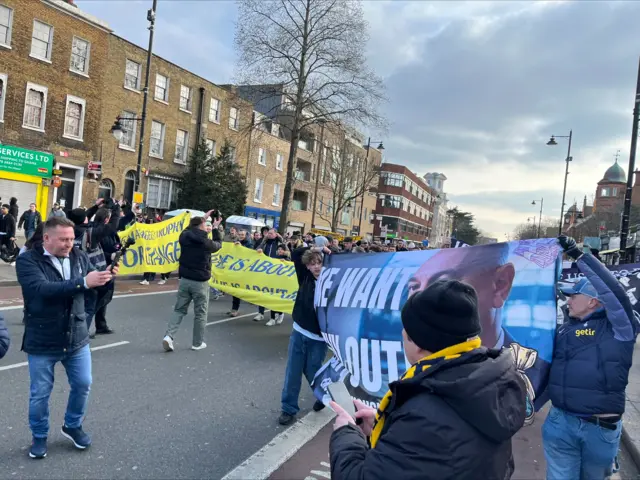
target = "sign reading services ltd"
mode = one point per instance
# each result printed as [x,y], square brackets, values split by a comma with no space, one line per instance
[27,162]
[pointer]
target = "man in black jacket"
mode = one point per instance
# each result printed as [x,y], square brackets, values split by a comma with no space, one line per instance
[30,219]
[5,341]
[54,278]
[7,227]
[195,271]
[307,348]
[451,415]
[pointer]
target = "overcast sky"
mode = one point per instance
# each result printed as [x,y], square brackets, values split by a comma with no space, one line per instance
[475,88]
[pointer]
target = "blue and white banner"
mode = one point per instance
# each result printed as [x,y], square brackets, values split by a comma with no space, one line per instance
[359,299]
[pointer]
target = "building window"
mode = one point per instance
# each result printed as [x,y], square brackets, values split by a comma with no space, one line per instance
[156,144]
[614,192]
[393,179]
[276,195]
[3,93]
[105,190]
[41,40]
[392,201]
[185,98]
[80,50]
[182,144]
[127,119]
[74,118]
[257,194]
[160,193]
[6,20]
[162,88]
[214,110]
[35,107]
[132,75]
[211,146]
[233,118]
[604,192]
[262,156]
[279,161]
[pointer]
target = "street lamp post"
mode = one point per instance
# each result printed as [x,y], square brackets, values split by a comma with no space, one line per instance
[364,189]
[552,141]
[540,217]
[117,129]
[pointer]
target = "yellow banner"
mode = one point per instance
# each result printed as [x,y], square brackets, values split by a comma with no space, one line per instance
[254,277]
[156,249]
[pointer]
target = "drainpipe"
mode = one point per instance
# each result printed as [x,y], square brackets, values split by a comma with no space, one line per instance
[200,112]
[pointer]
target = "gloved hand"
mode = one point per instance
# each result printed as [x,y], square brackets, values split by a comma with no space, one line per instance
[569,246]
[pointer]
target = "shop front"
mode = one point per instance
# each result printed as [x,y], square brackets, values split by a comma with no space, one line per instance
[269,217]
[26,175]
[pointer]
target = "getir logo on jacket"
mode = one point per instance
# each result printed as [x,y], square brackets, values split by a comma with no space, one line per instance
[585,331]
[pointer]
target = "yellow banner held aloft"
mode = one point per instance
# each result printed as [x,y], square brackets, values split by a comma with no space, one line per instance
[157,248]
[254,277]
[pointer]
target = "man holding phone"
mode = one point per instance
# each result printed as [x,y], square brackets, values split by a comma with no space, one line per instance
[195,271]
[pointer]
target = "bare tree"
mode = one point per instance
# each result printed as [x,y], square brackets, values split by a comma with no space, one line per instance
[308,59]
[348,177]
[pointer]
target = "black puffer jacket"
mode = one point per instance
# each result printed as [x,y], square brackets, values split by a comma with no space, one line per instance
[304,313]
[5,341]
[195,253]
[453,421]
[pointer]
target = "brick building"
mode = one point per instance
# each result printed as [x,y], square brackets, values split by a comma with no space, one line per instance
[183,109]
[52,64]
[405,204]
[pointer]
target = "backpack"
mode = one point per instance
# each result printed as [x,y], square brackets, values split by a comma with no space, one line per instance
[96,255]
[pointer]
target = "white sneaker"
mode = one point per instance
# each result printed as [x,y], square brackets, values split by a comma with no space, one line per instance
[279,319]
[167,343]
[144,282]
[162,282]
[258,318]
[199,347]
[271,322]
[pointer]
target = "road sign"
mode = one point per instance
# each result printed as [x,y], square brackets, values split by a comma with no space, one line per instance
[138,197]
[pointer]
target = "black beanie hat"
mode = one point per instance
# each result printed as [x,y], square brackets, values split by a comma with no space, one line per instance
[77,215]
[442,315]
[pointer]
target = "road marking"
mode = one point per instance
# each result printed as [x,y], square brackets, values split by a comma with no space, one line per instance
[269,458]
[224,320]
[93,349]
[17,307]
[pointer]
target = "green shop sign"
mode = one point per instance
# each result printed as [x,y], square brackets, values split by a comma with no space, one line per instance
[27,162]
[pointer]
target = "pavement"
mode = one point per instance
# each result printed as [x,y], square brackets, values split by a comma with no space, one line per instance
[185,414]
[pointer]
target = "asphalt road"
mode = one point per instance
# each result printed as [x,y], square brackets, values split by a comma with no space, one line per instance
[154,414]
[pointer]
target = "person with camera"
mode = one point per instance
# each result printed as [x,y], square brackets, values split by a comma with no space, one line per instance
[195,271]
[55,277]
[89,237]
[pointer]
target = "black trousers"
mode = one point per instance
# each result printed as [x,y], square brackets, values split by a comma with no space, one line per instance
[236,306]
[101,298]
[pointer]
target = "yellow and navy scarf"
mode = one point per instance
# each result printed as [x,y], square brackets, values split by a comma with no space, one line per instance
[449,353]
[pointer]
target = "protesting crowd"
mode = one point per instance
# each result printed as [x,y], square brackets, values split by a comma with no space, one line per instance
[452,414]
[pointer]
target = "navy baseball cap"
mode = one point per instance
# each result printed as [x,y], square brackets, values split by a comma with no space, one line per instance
[581,287]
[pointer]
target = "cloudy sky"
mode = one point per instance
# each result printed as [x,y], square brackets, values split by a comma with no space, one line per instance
[475,88]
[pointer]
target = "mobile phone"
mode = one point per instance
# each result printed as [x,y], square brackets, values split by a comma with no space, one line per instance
[339,394]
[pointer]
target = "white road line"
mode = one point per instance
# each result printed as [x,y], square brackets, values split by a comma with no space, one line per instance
[93,349]
[269,458]
[224,320]
[127,295]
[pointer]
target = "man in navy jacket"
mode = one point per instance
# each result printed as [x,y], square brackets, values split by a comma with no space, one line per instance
[54,278]
[589,373]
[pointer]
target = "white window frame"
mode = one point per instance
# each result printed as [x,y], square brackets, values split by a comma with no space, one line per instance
[45,91]
[259,189]
[126,146]
[7,44]
[137,87]
[83,103]
[4,78]
[47,58]
[183,160]
[163,131]
[279,162]
[159,183]
[211,145]
[189,99]
[84,72]
[262,157]
[234,121]
[277,194]
[165,99]
[215,119]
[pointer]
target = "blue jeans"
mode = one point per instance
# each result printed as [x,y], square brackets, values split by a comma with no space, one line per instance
[78,367]
[305,357]
[576,449]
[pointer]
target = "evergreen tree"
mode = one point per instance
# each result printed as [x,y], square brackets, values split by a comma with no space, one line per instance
[463,226]
[213,182]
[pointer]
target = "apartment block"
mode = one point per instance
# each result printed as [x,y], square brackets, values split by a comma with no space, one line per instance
[52,63]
